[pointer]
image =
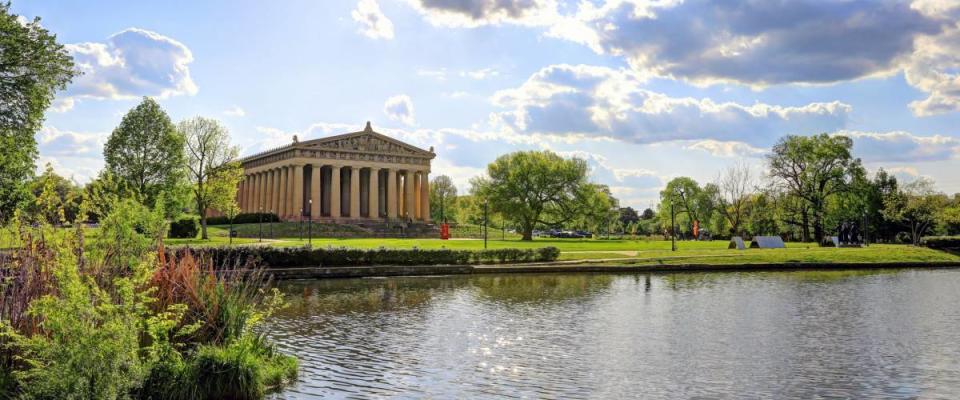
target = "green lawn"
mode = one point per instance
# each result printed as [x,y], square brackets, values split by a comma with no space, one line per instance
[613,251]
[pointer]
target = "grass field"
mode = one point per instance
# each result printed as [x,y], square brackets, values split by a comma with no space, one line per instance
[605,251]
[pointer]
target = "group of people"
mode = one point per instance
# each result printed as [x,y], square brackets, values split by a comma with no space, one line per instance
[848,233]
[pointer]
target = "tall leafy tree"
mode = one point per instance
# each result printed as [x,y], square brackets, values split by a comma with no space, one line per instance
[147,152]
[734,186]
[209,158]
[33,66]
[55,199]
[532,188]
[918,206]
[628,215]
[443,198]
[812,169]
[690,201]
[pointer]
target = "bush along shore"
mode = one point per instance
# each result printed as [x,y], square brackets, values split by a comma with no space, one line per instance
[119,319]
[273,257]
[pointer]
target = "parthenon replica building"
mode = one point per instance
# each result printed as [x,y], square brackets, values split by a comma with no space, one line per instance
[354,177]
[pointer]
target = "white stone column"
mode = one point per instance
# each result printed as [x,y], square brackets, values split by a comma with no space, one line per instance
[373,206]
[354,192]
[248,196]
[409,203]
[275,191]
[315,192]
[282,202]
[269,176]
[391,193]
[335,191]
[298,191]
[425,196]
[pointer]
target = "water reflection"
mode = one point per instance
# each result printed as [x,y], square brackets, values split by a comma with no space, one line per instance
[850,334]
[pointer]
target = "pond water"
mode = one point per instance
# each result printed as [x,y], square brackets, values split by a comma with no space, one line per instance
[838,334]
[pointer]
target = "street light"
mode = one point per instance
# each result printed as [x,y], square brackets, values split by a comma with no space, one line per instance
[310,226]
[300,228]
[270,224]
[260,224]
[485,224]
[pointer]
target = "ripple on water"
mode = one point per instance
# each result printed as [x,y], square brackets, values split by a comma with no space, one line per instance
[878,334]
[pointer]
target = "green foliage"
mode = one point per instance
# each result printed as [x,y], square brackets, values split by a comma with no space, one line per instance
[211,163]
[184,228]
[33,66]
[942,242]
[55,200]
[918,206]
[95,325]
[532,188]
[146,152]
[443,199]
[813,169]
[302,256]
[690,201]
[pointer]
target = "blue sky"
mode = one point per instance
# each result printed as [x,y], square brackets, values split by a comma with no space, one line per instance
[644,90]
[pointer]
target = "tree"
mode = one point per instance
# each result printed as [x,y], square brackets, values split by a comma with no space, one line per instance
[628,215]
[812,169]
[690,202]
[33,66]
[147,152]
[209,155]
[102,193]
[55,199]
[734,184]
[918,206]
[534,187]
[648,214]
[443,198]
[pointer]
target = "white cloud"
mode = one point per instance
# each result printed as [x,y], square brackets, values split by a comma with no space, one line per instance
[726,149]
[235,111]
[480,74]
[76,154]
[400,108]
[755,43]
[591,101]
[438,74]
[474,13]
[131,63]
[899,146]
[373,23]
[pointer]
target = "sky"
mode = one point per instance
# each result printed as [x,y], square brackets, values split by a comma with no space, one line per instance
[644,90]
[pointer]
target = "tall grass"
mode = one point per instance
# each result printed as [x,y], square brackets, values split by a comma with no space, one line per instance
[123,321]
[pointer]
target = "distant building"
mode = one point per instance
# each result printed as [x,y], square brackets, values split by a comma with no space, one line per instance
[354,177]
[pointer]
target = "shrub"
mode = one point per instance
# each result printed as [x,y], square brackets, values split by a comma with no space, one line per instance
[244,218]
[302,256]
[184,228]
[941,242]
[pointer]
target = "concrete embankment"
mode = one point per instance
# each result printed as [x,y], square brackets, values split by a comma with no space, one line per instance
[394,270]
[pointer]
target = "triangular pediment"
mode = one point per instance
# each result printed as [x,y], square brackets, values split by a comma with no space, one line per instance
[366,141]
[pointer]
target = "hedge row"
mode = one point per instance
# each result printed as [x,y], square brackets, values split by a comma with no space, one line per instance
[244,218]
[941,242]
[184,228]
[337,257]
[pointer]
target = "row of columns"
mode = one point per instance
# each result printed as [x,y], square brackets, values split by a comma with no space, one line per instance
[318,191]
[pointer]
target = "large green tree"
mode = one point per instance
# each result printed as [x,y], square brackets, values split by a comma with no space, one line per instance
[33,66]
[532,188]
[147,152]
[918,206]
[211,162]
[812,169]
[690,202]
[443,199]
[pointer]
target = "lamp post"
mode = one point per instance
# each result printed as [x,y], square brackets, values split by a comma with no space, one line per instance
[270,223]
[310,226]
[300,228]
[260,224]
[485,224]
[673,227]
